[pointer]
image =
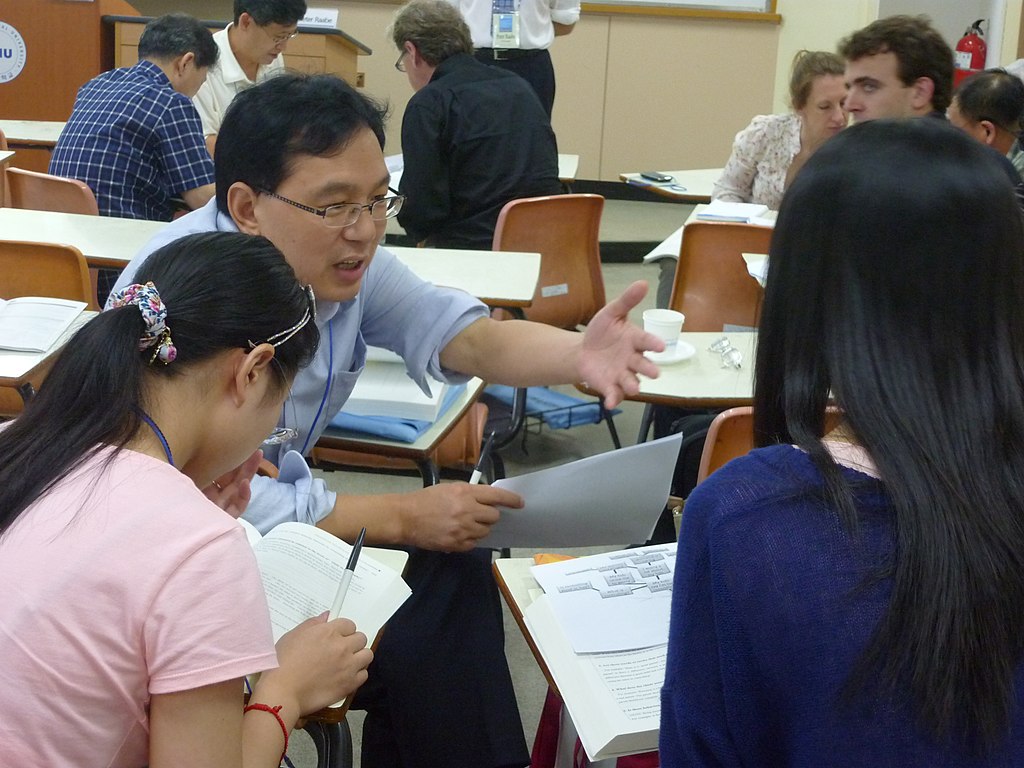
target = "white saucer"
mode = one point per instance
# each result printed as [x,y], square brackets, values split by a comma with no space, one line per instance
[683,351]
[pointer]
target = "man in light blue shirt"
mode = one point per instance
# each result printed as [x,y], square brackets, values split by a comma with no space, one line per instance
[300,161]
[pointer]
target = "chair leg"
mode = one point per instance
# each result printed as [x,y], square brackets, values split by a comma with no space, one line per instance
[645,424]
[516,419]
[610,421]
[333,742]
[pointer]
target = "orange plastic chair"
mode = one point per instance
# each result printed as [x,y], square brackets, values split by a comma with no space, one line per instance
[44,192]
[40,269]
[731,435]
[712,286]
[565,231]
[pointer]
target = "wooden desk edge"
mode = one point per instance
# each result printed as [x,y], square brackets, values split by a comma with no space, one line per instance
[517,614]
[675,401]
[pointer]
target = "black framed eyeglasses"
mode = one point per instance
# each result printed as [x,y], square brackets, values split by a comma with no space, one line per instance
[400,64]
[347,214]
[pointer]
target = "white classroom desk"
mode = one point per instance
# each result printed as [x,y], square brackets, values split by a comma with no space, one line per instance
[497,278]
[689,186]
[18,368]
[105,241]
[701,381]
[505,279]
[31,133]
[568,166]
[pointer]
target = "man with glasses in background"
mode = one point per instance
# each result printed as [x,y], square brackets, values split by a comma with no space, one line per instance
[473,137]
[300,161]
[251,49]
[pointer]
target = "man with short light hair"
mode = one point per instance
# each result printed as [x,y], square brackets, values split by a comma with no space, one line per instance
[474,137]
[899,66]
[251,50]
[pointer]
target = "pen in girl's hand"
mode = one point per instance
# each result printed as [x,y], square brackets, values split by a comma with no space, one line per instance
[346,577]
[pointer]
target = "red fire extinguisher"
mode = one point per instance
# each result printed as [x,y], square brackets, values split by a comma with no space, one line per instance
[969,56]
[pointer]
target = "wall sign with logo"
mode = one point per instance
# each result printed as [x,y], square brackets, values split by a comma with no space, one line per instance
[12,52]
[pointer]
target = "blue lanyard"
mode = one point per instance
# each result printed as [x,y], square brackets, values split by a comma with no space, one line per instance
[327,386]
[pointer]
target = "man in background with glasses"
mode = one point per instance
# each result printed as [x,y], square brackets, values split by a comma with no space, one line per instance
[474,137]
[300,161]
[251,49]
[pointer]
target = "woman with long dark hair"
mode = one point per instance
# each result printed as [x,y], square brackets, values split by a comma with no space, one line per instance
[856,598]
[133,608]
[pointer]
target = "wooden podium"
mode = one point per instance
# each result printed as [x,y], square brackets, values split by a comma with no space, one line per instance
[66,44]
[312,50]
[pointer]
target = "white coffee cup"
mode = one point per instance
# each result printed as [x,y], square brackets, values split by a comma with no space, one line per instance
[665,324]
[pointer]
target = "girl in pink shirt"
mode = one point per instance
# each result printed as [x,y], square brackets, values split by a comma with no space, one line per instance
[132,607]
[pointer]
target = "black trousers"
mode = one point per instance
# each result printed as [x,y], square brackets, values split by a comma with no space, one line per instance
[439,692]
[536,69]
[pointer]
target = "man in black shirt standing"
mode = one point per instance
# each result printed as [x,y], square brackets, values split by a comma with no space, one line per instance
[473,137]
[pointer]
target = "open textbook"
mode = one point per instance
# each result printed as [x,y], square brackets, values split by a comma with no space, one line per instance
[34,324]
[301,567]
[611,499]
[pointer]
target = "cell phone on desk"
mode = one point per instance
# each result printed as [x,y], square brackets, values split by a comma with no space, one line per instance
[656,176]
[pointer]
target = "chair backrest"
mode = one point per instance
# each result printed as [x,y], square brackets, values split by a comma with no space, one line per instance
[44,269]
[731,435]
[712,286]
[43,192]
[40,269]
[564,230]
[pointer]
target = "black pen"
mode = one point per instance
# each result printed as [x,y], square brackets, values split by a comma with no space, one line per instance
[346,577]
[485,454]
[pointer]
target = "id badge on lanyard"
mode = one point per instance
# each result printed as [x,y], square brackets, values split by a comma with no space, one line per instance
[504,23]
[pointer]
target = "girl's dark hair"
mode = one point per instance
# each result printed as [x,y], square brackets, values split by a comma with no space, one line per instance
[221,291]
[896,282]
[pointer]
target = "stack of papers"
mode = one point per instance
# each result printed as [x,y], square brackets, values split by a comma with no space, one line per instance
[743,213]
[602,628]
[385,389]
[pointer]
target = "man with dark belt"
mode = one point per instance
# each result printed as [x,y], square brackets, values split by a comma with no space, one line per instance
[516,34]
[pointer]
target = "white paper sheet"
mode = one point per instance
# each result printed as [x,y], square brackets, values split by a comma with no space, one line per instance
[618,601]
[612,499]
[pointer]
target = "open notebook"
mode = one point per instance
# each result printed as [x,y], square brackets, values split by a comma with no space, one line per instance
[34,324]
